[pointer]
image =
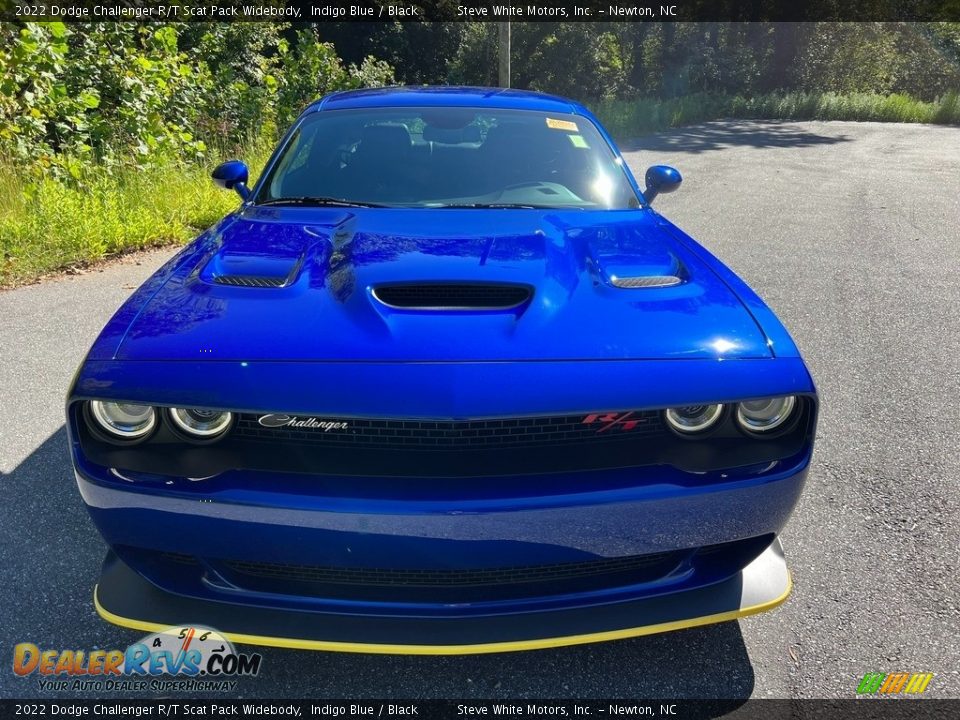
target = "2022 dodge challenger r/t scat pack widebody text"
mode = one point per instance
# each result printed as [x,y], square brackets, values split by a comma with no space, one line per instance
[443,383]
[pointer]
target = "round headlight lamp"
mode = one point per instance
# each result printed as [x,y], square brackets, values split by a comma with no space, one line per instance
[200,424]
[766,414]
[693,418]
[125,421]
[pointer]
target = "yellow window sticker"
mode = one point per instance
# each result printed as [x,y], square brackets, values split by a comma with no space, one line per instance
[578,141]
[555,124]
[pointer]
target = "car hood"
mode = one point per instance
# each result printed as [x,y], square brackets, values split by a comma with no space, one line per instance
[301,284]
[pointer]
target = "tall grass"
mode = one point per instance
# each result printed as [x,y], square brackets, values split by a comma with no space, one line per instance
[47,225]
[644,115]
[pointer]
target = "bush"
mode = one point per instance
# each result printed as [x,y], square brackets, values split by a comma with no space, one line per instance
[105,95]
[112,95]
[311,69]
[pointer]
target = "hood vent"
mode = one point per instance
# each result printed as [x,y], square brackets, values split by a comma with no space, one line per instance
[453,296]
[257,281]
[648,281]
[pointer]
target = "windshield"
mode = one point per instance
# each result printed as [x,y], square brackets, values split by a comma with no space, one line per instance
[448,157]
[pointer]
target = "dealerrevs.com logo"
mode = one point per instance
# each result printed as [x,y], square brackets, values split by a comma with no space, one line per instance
[187,657]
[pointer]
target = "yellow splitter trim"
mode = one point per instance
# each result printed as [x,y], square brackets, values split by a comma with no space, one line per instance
[475,649]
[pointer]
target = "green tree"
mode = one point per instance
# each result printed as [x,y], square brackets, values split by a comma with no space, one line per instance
[311,69]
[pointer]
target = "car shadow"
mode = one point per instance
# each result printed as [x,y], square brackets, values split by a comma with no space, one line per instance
[51,554]
[722,134]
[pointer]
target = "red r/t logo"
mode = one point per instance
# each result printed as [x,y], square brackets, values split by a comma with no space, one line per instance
[611,420]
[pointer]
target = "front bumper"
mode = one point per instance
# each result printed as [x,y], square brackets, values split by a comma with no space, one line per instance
[453,558]
[201,559]
[125,598]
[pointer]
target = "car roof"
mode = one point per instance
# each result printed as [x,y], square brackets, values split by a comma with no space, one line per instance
[445,96]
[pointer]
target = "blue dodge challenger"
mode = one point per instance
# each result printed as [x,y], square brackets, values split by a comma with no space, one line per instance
[443,383]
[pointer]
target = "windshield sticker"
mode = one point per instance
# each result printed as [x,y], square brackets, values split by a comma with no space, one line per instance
[562,125]
[578,141]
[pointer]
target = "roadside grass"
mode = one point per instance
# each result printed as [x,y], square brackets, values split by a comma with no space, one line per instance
[47,225]
[624,118]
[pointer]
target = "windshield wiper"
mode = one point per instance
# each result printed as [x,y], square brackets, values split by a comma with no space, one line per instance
[307,200]
[500,206]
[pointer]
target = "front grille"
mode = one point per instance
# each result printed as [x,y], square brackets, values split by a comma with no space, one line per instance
[258,281]
[422,450]
[459,435]
[453,296]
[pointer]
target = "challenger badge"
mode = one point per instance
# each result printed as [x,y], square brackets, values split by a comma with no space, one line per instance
[275,420]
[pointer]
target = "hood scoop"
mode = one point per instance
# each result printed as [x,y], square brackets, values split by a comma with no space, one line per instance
[644,268]
[257,281]
[435,296]
[645,281]
[252,259]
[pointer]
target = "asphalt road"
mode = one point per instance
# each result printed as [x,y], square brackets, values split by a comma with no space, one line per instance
[850,231]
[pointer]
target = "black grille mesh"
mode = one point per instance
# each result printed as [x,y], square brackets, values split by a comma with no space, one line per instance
[259,281]
[650,281]
[642,565]
[442,296]
[463,435]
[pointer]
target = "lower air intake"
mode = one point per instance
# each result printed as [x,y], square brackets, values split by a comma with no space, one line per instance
[453,296]
[659,562]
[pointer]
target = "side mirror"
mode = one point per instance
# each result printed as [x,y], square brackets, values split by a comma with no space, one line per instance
[232,175]
[660,179]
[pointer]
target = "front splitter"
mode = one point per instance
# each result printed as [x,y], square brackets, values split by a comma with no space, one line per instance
[125,598]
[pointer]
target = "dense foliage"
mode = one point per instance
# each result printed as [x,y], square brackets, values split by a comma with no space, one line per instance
[108,94]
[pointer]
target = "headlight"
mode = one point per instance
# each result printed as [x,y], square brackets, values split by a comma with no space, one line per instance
[126,421]
[693,418]
[767,414]
[201,424]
